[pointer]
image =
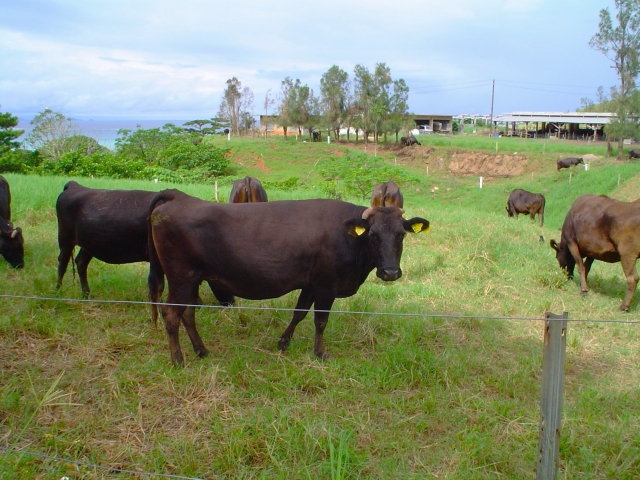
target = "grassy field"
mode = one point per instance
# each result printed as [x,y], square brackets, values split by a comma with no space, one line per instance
[426,377]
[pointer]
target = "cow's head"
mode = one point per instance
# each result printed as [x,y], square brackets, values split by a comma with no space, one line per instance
[509,210]
[384,229]
[11,244]
[564,257]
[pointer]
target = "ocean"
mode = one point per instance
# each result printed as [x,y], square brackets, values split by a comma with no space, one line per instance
[104,131]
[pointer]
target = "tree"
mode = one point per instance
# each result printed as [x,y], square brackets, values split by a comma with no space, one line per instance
[235,101]
[8,134]
[399,108]
[334,91]
[621,45]
[51,133]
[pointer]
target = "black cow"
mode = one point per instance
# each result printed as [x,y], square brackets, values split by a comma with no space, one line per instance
[325,248]
[527,203]
[387,194]
[11,239]
[315,136]
[246,190]
[110,225]
[568,162]
[600,228]
[408,141]
[633,154]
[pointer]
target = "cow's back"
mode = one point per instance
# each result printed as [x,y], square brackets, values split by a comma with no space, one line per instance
[262,250]
[5,199]
[585,224]
[109,224]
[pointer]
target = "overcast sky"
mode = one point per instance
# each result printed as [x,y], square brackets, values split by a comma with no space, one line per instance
[166,59]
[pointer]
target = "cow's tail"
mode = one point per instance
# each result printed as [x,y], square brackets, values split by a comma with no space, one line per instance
[155,281]
[541,211]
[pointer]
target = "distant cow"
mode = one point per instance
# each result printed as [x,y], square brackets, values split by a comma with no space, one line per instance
[110,225]
[600,228]
[247,190]
[11,240]
[315,136]
[387,194]
[527,203]
[633,154]
[325,248]
[568,162]
[408,141]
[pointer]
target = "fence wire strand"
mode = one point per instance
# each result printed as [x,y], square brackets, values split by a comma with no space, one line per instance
[335,311]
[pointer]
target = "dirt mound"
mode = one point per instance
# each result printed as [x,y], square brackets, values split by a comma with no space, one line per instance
[487,165]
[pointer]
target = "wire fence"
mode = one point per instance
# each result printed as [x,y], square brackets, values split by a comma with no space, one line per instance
[118,471]
[334,311]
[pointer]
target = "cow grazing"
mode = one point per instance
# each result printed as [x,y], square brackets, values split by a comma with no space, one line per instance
[527,203]
[325,248]
[633,154]
[387,194]
[11,239]
[110,225]
[568,162]
[247,190]
[600,228]
[408,141]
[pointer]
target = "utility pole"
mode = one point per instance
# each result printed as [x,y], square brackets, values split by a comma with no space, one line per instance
[493,89]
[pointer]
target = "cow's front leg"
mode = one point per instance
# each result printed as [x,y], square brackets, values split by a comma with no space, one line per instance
[321,308]
[582,270]
[629,268]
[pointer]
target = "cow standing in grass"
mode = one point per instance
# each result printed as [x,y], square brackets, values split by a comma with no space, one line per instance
[324,248]
[11,239]
[601,228]
[527,203]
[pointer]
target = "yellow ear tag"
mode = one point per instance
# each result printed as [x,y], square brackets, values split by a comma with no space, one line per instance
[359,230]
[417,227]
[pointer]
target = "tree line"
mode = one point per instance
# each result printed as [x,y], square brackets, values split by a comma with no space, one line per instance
[370,102]
[619,41]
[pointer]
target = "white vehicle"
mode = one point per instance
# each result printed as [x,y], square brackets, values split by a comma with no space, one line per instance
[424,129]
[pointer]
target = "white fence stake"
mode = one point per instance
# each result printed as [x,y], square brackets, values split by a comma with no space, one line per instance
[480,182]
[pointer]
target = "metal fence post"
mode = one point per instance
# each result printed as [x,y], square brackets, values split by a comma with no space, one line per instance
[555,343]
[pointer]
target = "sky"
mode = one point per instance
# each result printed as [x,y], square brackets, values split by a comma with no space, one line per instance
[161,59]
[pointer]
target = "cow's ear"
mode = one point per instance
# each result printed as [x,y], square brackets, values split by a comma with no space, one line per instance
[554,245]
[356,226]
[417,225]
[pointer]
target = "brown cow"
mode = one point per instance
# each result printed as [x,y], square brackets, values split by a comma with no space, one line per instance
[527,203]
[387,194]
[247,190]
[601,228]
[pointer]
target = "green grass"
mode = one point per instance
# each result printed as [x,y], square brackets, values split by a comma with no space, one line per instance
[423,392]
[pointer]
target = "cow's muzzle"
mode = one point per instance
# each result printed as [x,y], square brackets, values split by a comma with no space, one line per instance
[389,274]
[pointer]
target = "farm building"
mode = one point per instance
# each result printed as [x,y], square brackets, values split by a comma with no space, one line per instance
[570,125]
[438,123]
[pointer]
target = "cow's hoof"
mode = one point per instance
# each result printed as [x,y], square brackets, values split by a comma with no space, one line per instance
[584,293]
[203,352]
[322,356]
[624,308]
[283,344]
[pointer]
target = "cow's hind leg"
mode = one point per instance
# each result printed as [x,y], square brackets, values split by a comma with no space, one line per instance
[305,300]
[66,250]
[629,268]
[189,322]
[82,262]
[172,314]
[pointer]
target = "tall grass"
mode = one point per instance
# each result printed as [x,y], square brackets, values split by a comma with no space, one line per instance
[421,385]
